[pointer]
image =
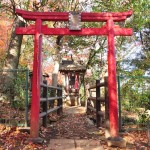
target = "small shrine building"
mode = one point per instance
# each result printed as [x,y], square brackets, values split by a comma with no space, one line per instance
[73,73]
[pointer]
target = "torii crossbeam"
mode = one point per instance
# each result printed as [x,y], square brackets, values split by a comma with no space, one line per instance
[110,30]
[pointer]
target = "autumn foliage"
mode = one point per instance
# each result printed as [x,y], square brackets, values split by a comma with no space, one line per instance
[5,31]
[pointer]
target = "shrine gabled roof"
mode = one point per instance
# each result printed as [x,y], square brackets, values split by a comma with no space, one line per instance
[66,66]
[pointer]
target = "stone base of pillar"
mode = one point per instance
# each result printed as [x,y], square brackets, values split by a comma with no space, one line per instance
[116,141]
[37,140]
[72,99]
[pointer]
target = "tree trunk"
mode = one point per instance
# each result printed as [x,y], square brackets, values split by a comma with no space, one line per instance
[8,75]
[56,68]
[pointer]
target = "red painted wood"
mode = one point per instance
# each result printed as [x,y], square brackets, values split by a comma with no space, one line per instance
[47,18]
[103,19]
[83,19]
[30,30]
[123,31]
[35,102]
[112,83]
[65,31]
[92,14]
[64,16]
[76,85]
[21,12]
[108,14]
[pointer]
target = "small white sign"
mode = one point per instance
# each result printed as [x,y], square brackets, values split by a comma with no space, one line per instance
[74,21]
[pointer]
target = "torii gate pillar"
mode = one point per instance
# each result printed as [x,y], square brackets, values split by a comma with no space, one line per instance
[112,83]
[35,103]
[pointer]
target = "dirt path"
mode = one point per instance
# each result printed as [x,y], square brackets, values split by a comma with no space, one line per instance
[74,124]
[74,131]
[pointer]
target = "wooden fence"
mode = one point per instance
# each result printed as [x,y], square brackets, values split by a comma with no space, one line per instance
[46,98]
[98,100]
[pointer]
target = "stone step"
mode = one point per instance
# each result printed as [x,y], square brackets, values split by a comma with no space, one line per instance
[74,144]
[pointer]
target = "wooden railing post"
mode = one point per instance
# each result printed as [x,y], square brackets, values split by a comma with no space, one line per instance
[59,101]
[148,132]
[107,124]
[44,105]
[53,91]
[106,99]
[98,119]
[88,102]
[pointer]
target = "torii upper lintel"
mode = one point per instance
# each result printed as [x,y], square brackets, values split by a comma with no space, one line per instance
[64,16]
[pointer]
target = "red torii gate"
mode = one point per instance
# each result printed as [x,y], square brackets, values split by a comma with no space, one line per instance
[110,30]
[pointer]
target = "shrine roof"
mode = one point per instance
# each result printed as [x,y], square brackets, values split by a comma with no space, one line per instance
[70,65]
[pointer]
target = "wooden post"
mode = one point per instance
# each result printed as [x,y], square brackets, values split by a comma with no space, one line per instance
[59,101]
[107,124]
[45,89]
[112,83]
[54,83]
[119,103]
[35,102]
[106,99]
[148,132]
[87,100]
[98,107]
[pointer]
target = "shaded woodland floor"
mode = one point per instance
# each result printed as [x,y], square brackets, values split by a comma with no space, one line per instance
[73,124]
